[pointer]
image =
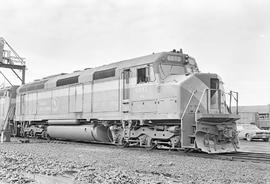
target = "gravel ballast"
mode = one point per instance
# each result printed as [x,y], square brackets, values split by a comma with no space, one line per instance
[91,163]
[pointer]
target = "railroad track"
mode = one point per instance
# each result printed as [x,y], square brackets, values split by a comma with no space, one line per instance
[236,156]
[247,156]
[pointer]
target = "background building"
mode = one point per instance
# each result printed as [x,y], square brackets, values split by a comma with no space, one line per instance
[255,114]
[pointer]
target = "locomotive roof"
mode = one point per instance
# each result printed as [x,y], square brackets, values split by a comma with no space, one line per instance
[87,74]
[133,62]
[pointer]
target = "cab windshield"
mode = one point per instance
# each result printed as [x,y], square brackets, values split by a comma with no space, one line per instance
[170,69]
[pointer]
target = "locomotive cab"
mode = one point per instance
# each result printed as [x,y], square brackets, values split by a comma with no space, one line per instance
[207,120]
[169,102]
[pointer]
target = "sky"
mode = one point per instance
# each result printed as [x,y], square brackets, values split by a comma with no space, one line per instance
[227,37]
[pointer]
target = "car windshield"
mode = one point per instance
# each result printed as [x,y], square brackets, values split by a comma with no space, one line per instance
[170,69]
[250,127]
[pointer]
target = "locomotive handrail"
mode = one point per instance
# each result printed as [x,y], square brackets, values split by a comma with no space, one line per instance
[193,93]
[196,111]
[233,95]
[235,98]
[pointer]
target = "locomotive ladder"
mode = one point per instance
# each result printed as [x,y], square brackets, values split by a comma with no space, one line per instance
[5,130]
[187,130]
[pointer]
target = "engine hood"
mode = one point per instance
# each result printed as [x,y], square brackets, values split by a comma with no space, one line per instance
[176,79]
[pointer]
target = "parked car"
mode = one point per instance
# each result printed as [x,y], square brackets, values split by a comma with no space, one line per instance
[251,131]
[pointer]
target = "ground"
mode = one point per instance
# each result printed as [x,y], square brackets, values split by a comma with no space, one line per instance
[255,146]
[91,163]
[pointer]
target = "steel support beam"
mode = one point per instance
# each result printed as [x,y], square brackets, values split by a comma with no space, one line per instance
[6,78]
[12,62]
[17,67]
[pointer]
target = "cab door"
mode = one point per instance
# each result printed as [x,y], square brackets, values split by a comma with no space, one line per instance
[214,95]
[126,91]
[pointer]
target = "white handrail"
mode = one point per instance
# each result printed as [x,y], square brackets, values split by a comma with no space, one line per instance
[196,111]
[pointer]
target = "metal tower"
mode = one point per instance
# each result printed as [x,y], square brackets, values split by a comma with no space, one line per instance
[9,58]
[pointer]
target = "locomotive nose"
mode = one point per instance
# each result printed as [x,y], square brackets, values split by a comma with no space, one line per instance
[213,129]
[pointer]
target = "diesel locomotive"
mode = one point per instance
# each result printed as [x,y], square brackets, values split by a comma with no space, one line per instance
[158,100]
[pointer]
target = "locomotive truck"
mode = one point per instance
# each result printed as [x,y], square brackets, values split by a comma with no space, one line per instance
[158,100]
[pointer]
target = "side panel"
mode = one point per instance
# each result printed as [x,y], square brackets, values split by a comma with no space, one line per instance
[106,96]
[144,98]
[44,102]
[32,103]
[26,104]
[143,106]
[18,105]
[22,104]
[72,99]
[87,98]
[79,98]
[60,101]
[167,105]
[75,98]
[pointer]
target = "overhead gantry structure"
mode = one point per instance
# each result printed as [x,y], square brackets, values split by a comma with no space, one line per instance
[9,58]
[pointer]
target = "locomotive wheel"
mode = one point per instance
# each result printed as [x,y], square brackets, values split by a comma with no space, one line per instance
[248,137]
[42,135]
[175,142]
[22,134]
[146,142]
[151,144]
[122,143]
[31,133]
[47,137]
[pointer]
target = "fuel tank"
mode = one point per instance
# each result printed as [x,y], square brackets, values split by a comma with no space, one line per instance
[64,122]
[85,133]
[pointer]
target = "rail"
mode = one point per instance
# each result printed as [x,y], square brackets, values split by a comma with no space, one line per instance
[235,156]
[247,156]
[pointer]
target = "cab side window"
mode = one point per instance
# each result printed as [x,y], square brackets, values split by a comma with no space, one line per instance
[142,75]
[145,74]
